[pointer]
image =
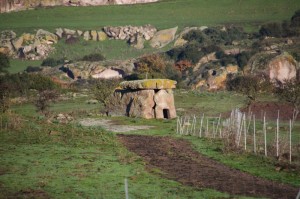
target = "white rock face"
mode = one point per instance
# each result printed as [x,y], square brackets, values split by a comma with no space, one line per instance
[108,74]
[282,67]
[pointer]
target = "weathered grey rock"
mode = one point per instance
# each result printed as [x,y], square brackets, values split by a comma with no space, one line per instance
[163,37]
[109,74]
[86,35]
[69,31]
[7,35]
[139,41]
[83,70]
[18,42]
[79,32]
[94,35]
[43,50]
[102,36]
[282,67]
[59,32]
[45,37]
[129,32]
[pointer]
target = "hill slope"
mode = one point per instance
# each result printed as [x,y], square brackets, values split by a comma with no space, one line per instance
[163,14]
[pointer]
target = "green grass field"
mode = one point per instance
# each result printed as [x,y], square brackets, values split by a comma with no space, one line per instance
[163,14]
[80,162]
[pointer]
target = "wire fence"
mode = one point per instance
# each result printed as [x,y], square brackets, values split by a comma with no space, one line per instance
[244,131]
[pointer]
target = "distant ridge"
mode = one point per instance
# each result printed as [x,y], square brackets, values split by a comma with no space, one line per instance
[16,5]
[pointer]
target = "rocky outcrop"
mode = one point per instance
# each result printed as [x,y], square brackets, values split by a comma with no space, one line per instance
[16,5]
[282,67]
[180,41]
[130,33]
[163,38]
[138,99]
[216,78]
[109,74]
[28,46]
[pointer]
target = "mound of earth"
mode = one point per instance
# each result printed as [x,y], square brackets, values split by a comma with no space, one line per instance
[178,161]
[271,109]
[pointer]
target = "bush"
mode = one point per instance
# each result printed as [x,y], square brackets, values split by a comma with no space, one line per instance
[4,63]
[249,85]
[32,69]
[295,20]
[72,40]
[194,35]
[44,98]
[289,92]
[52,62]
[191,52]
[150,64]
[93,57]
[271,30]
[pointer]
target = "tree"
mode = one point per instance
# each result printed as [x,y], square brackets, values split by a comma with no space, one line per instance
[4,63]
[44,98]
[289,91]
[249,85]
[103,90]
[295,20]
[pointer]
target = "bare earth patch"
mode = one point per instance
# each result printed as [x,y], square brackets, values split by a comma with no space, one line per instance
[178,161]
[110,126]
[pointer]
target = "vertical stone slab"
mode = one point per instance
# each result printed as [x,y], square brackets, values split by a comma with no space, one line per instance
[164,99]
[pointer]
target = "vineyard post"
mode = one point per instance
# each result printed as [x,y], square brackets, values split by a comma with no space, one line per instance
[254,137]
[201,123]
[265,134]
[290,141]
[277,135]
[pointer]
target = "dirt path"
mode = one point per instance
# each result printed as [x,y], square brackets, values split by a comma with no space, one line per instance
[109,125]
[178,161]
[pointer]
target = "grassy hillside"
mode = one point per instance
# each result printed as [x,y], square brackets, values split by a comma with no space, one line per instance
[163,14]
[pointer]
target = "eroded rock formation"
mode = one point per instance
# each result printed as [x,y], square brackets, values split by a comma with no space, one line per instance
[282,67]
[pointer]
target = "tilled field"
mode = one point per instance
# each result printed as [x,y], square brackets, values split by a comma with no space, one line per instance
[178,161]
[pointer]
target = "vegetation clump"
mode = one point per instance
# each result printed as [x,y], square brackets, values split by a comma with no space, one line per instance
[93,57]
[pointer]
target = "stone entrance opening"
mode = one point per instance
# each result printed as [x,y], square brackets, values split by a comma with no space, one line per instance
[166,113]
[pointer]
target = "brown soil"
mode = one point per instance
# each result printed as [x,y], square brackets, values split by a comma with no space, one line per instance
[271,110]
[178,161]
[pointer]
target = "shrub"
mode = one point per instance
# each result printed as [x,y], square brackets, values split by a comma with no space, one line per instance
[52,62]
[295,20]
[72,40]
[191,52]
[44,98]
[194,35]
[103,90]
[32,69]
[249,85]
[4,63]
[151,64]
[93,57]
[271,29]
[289,92]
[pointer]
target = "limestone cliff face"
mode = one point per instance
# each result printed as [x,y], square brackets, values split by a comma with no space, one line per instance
[15,5]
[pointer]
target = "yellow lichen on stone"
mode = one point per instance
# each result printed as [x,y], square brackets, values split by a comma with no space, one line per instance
[149,84]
